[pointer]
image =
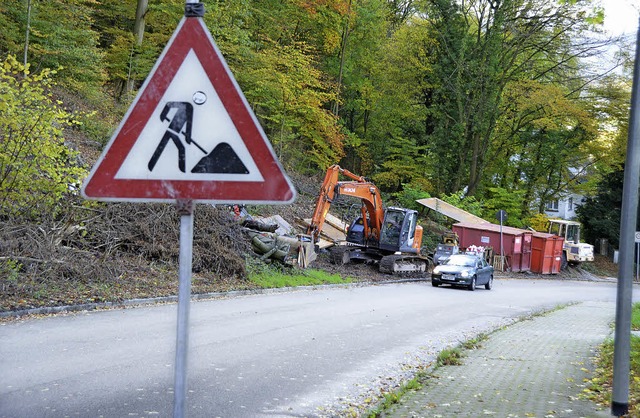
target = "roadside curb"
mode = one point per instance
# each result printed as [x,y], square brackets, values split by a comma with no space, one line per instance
[130,303]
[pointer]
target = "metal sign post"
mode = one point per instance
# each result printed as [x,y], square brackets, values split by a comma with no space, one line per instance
[185,210]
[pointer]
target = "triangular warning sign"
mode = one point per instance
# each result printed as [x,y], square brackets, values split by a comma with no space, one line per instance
[189,134]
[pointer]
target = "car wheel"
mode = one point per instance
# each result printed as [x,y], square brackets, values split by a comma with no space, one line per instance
[434,283]
[472,285]
[489,284]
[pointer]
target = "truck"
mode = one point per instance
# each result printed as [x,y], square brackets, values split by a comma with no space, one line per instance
[574,252]
[390,237]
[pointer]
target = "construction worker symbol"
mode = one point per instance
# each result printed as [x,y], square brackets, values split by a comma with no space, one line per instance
[179,115]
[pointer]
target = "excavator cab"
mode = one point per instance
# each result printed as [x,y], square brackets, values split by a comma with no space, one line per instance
[398,232]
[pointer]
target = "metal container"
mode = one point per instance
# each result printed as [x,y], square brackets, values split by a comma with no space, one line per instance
[515,246]
[546,253]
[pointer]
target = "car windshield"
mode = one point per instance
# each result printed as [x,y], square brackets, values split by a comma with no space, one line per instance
[460,260]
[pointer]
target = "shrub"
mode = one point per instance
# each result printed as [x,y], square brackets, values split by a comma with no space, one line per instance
[37,168]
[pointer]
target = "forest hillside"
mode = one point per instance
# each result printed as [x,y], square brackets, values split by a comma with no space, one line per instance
[488,105]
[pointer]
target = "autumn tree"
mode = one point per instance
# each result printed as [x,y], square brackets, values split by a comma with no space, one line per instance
[544,143]
[37,167]
[132,37]
[391,124]
[483,46]
[600,213]
[61,37]
[275,50]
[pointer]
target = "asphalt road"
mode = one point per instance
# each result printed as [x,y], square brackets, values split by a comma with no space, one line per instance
[302,353]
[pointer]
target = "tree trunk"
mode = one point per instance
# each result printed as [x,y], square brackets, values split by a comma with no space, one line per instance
[26,36]
[138,34]
[138,28]
[343,49]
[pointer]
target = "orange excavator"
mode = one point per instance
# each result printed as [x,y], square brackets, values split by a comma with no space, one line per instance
[390,236]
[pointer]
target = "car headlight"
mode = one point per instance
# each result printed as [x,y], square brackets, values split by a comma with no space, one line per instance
[464,273]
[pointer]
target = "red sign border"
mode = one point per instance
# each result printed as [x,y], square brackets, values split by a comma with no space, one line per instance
[191,34]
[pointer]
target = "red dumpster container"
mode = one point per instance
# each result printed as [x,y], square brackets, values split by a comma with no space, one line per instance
[546,253]
[516,243]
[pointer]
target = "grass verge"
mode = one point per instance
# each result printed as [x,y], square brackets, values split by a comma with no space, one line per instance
[600,386]
[269,277]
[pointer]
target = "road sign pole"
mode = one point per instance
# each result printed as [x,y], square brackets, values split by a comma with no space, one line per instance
[185,210]
[622,341]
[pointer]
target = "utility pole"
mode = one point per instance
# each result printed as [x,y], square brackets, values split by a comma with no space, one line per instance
[622,339]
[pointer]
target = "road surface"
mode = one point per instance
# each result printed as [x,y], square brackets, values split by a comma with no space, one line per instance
[313,352]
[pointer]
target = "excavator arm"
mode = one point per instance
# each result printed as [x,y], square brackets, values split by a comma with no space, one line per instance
[357,187]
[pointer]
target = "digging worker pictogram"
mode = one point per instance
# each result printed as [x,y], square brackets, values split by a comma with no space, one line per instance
[180,124]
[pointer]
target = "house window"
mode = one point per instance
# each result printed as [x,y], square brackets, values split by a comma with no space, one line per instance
[553,205]
[570,204]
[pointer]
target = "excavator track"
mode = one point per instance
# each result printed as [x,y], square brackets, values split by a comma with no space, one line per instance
[404,265]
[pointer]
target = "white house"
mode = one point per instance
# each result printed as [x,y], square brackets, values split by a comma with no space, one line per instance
[564,207]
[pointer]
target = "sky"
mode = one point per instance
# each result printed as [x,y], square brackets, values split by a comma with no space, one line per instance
[621,16]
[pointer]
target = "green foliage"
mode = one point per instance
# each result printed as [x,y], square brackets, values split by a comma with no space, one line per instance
[408,196]
[600,213]
[419,96]
[509,201]
[468,203]
[391,398]
[539,222]
[480,54]
[474,343]
[611,110]
[94,127]
[635,317]
[546,137]
[37,168]
[394,124]
[449,357]
[289,94]
[400,165]
[269,277]
[61,37]
[9,270]
[599,388]
[126,63]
